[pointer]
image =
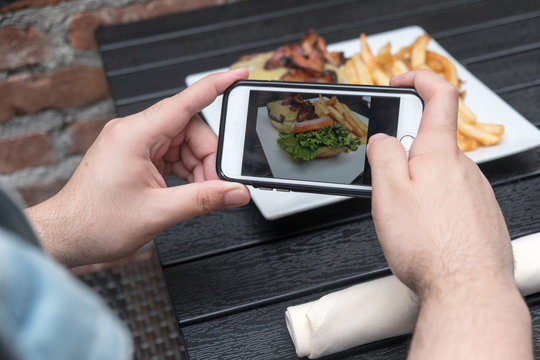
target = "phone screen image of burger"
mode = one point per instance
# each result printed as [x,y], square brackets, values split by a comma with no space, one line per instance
[314,136]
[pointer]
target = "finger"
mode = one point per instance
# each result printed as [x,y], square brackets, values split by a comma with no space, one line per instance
[209,167]
[187,158]
[439,119]
[200,139]
[201,172]
[198,174]
[170,116]
[179,170]
[172,154]
[205,167]
[200,145]
[184,202]
[160,166]
[389,166]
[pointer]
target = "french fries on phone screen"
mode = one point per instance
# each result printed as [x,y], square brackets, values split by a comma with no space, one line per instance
[367,68]
[341,114]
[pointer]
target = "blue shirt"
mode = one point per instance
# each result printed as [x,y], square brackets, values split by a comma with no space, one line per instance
[46,313]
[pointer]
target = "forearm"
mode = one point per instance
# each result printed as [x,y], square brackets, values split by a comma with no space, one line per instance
[488,321]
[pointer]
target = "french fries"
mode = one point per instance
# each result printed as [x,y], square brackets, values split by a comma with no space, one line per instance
[384,56]
[495,129]
[366,68]
[444,67]
[320,109]
[398,67]
[341,114]
[481,136]
[357,72]
[466,113]
[379,77]
[466,143]
[418,52]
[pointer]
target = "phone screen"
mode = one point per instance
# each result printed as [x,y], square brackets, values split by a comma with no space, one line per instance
[314,136]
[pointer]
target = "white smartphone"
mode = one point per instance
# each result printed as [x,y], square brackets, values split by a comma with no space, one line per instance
[309,137]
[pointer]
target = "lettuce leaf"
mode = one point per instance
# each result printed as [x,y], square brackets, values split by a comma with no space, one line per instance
[306,145]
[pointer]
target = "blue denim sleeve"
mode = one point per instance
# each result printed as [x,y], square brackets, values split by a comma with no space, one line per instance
[45,313]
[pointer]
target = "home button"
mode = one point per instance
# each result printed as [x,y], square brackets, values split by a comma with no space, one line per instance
[406,141]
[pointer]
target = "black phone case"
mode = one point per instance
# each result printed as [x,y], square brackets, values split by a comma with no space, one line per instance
[298,85]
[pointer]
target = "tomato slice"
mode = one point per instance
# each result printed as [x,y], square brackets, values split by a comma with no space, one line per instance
[313,124]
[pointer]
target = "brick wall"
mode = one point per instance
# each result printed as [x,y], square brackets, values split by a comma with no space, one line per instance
[54,98]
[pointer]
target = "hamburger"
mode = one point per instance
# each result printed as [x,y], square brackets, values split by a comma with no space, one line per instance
[303,135]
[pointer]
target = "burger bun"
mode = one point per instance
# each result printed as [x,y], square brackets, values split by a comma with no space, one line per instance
[327,151]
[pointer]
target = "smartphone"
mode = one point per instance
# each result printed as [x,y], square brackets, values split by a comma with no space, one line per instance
[309,137]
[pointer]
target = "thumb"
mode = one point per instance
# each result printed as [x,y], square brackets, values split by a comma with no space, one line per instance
[389,165]
[187,201]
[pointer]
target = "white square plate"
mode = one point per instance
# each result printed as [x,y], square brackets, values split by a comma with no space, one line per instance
[519,135]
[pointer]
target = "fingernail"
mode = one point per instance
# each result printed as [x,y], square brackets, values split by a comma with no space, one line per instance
[239,70]
[235,197]
[375,137]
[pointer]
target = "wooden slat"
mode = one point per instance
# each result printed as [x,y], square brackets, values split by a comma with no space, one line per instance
[508,71]
[493,39]
[444,21]
[198,21]
[525,101]
[512,168]
[520,208]
[135,107]
[250,228]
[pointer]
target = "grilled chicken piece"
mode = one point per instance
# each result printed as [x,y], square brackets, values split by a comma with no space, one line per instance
[306,61]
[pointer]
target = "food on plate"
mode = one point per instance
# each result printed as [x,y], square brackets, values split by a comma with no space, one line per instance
[366,68]
[255,64]
[443,67]
[376,71]
[472,134]
[310,61]
[307,61]
[305,133]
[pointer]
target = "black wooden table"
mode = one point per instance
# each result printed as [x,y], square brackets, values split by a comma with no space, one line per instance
[231,274]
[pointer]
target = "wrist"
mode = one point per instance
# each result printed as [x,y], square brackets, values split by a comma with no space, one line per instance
[53,221]
[471,274]
[465,290]
[488,319]
[481,303]
[467,283]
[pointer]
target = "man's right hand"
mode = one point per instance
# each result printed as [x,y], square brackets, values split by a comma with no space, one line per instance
[444,236]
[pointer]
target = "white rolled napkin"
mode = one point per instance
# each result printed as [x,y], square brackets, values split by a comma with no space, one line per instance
[381,308]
